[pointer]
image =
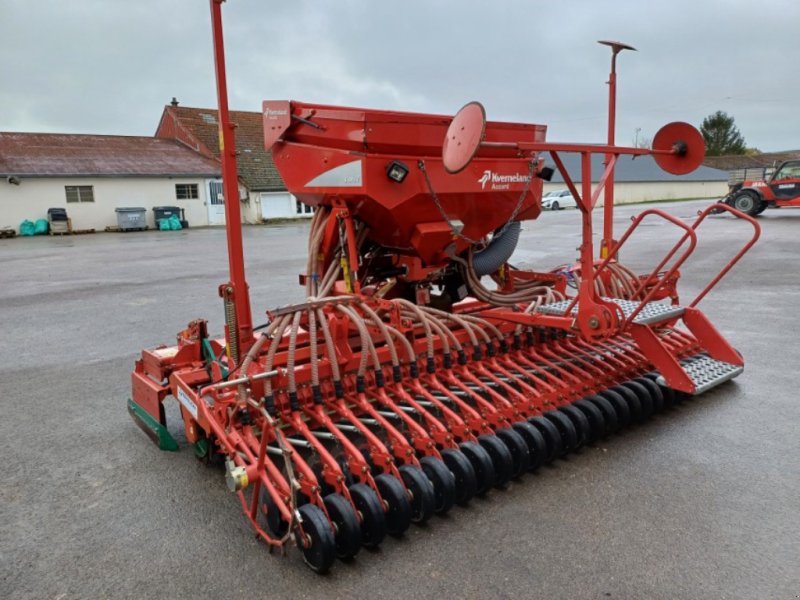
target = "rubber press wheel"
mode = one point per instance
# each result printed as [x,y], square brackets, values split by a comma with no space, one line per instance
[482,464]
[347,529]
[555,447]
[502,459]
[655,393]
[520,454]
[580,422]
[620,407]
[597,424]
[569,437]
[464,474]
[632,400]
[315,539]
[373,518]
[644,398]
[443,481]
[398,510]
[609,414]
[423,497]
[537,446]
[670,397]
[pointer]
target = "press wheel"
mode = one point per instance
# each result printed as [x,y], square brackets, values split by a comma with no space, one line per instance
[373,517]
[620,407]
[482,464]
[632,400]
[555,447]
[597,424]
[520,454]
[398,509]
[580,422]
[464,474]
[537,446]
[566,429]
[502,460]
[315,538]
[347,529]
[609,414]
[423,496]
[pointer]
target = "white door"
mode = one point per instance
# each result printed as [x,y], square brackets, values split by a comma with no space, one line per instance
[216,203]
[280,205]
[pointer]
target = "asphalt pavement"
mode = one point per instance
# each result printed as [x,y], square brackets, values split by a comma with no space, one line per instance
[700,502]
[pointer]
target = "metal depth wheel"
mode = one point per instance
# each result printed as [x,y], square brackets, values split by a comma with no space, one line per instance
[482,463]
[644,398]
[609,414]
[670,396]
[398,504]
[555,206]
[315,538]
[464,473]
[347,529]
[555,447]
[373,517]
[423,496]
[655,393]
[580,422]
[569,437]
[443,481]
[537,446]
[620,407]
[502,459]
[520,454]
[634,404]
[593,414]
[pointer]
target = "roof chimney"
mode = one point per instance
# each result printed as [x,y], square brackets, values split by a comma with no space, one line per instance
[174,101]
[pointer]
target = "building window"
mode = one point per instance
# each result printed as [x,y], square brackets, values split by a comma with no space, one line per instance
[186,191]
[79,193]
[301,208]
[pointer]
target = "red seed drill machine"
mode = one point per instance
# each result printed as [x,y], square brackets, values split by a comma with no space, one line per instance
[422,369]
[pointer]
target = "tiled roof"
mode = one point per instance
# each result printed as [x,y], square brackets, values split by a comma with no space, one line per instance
[64,155]
[767,159]
[198,128]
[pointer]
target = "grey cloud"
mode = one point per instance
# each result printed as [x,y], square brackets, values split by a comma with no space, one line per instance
[110,66]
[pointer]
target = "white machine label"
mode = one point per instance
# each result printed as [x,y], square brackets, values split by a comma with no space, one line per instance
[187,402]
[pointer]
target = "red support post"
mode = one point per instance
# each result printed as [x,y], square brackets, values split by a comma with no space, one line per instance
[230,183]
[608,198]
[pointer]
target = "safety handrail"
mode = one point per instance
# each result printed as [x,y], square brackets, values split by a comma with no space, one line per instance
[756,234]
[636,221]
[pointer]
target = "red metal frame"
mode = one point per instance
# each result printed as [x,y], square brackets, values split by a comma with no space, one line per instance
[236,290]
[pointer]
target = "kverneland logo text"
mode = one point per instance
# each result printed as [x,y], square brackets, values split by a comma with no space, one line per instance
[501,182]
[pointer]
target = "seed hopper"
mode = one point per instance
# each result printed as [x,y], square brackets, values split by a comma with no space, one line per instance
[420,368]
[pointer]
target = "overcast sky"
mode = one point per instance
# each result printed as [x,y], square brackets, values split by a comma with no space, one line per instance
[109,66]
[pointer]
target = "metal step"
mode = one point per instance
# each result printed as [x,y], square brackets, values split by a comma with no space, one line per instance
[706,372]
[653,312]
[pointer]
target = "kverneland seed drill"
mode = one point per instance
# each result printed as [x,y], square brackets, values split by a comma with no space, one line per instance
[421,369]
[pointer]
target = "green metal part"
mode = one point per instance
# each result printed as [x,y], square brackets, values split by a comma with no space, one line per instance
[154,430]
[208,351]
[201,448]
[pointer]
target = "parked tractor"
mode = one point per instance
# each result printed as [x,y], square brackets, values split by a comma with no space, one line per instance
[754,196]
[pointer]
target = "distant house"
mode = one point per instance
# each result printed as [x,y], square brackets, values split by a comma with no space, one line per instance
[263,193]
[642,180]
[92,175]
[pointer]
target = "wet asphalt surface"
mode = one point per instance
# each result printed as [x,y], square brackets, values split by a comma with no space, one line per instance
[700,502]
